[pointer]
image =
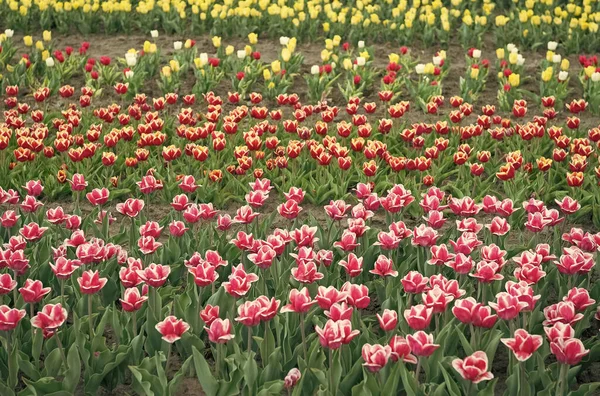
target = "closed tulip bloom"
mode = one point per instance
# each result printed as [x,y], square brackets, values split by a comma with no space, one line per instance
[290,209]
[7,284]
[264,257]
[437,299]
[384,267]
[482,317]
[401,350]
[568,350]
[464,309]
[339,311]
[300,301]
[10,317]
[388,320]
[375,356]
[50,318]
[523,345]
[473,368]
[172,328]
[90,282]
[209,314]
[33,291]
[327,296]
[414,282]
[418,316]
[220,331]
[132,299]
[421,343]
[357,295]
[335,334]
[292,378]
[424,236]
[249,313]
[348,241]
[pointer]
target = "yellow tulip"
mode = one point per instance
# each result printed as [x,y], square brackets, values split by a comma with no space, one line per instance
[276,66]
[253,38]
[45,55]
[229,50]
[564,64]
[347,64]
[47,35]
[394,58]
[216,41]
[500,53]
[547,74]
[514,80]
[286,55]
[39,45]
[166,71]
[28,41]
[474,73]
[512,58]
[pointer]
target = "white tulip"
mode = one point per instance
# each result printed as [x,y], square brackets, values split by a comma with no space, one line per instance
[241,54]
[476,54]
[361,44]
[50,62]
[131,59]
[563,75]
[511,47]
[129,74]
[283,40]
[204,58]
[333,65]
[552,45]
[154,33]
[360,61]
[556,58]
[177,45]
[437,60]
[314,70]
[9,33]
[520,60]
[420,68]
[595,77]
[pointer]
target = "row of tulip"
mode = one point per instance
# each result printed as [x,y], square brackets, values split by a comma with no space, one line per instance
[355,303]
[527,22]
[349,69]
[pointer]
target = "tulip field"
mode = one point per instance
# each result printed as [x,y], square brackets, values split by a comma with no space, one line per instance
[299,197]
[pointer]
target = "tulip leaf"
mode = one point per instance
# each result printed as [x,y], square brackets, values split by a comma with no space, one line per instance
[391,385]
[351,378]
[491,344]
[73,374]
[452,386]
[272,388]
[139,384]
[464,342]
[209,384]
[489,389]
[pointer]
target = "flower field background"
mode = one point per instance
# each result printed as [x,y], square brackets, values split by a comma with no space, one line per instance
[261,198]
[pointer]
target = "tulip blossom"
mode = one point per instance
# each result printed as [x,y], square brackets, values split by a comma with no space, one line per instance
[90,282]
[171,329]
[132,300]
[219,331]
[523,345]
[50,318]
[421,344]
[335,334]
[388,320]
[375,356]
[473,368]
[10,317]
[33,291]
[568,351]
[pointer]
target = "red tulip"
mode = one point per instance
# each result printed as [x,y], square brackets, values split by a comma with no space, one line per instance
[559,330]
[424,236]
[327,296]
[421,343]
[375,356]
[300,301]
[388,320]
[9,219]
[292,378]
[219,331]
[90,282]
[50,318]
[473,368]
[507,307]
[401,350]
[348,241]
[33,291]
[209,314]
[384,267]
[414,282]
[580,298]
[418,316]
[290,209]
[172,328]
[335,334]
[353,265]
[437,299]
[356,295]
[523,344]
[63,268]
[155,275]
[249,313]
[563,312]
[204,274]
[568,350]
[148,244]
[132,300]
[98,196]
[10,317]
[131,207]
[32,231]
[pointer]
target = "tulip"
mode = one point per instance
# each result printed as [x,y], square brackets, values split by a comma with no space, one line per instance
[292,378]
[375,356]
[523,345]
[418,316]
[90,283]
[171,330]
[473,368]
[388,320]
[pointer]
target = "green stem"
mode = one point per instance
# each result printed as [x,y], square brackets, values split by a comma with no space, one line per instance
[249,340]
[168,358]
[418,369]
[90,317]
[302,331]
[62,352]
[134,323]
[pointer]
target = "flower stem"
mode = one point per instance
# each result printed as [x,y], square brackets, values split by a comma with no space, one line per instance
[62,352]
[168,358]
[134,323]
[90,317]
[418,370]
[302,331]
[249,340]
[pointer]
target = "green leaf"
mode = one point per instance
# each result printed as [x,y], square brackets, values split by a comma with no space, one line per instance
[452,386]
[73,374]
[489,388]
[205,377]
[141,386]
